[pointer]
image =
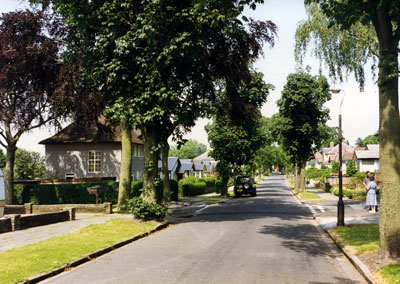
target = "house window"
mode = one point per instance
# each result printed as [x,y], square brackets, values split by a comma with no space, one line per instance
[94,161]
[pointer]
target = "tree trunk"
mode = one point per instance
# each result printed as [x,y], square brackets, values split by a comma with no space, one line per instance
[296,180]
[166,184]
[9,172]
[302,180]
[150,164]
[389,129]
[224,189]
[126,164]
[389,155]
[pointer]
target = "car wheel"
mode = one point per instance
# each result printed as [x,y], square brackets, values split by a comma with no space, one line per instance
[254,193]
[238,195]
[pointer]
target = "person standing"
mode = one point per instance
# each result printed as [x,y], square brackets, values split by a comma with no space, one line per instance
[366,181]
[371,195]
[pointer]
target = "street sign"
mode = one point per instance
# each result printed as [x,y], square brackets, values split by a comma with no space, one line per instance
[2,194]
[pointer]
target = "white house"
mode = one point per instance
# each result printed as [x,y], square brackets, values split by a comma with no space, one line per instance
[173,168]
[368,159]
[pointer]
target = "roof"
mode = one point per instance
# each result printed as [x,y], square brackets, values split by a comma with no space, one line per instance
[209,168]
[172,161]
[198,166]
[186,161]
[318,157]
[358,148]
[373,147]
[99,131]
[345,148]
[366,155]
[203,157]
[185,167]
[348,156]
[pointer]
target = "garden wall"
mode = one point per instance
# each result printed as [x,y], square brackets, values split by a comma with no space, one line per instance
[29,208]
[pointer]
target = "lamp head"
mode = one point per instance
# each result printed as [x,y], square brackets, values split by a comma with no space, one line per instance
[335,91]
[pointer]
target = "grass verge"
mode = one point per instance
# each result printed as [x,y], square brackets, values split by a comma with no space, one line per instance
[358,238]
[55,252]
[363,238]
[309,195]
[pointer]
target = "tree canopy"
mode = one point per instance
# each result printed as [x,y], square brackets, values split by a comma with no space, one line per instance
[191,149]
[301,115]
[370,139]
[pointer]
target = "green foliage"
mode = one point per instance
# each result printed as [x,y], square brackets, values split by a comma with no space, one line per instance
[391,273]
[145,210]
[320,174]
[351,168]
[329,134]
[28,165]
[218,187]
[335,167]
[209,181]
[370,139]
[193,189]
[191,149]
[301,115]
[73,193]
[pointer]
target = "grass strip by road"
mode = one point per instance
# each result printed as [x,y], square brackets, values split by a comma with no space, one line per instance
[20,263]
[309,195]
[363,238]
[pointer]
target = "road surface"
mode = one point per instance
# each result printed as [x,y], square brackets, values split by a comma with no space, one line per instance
[265,239]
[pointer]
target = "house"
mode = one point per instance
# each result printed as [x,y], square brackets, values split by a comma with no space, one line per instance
[199,170]
[368,159]
[173,168]
[90,150]
[186,169]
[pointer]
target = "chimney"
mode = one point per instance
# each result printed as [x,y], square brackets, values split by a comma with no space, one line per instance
[331,145]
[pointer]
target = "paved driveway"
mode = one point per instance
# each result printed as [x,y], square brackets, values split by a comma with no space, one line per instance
[266,239]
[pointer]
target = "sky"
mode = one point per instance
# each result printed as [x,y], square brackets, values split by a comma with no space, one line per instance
[359,110]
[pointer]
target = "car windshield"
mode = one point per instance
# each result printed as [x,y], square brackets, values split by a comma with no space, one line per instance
[241,180]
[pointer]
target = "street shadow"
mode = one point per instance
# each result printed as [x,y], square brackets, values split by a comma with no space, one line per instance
[303,238]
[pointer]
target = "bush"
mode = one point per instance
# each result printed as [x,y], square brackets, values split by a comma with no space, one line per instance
[146,211]
[173,190]
[71,193]
[193,189]
[318,174]
[218,186]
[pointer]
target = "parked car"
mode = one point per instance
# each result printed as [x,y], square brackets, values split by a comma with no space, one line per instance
[244,185]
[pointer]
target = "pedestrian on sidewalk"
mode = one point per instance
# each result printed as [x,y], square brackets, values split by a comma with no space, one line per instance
[371,195]
[366,181]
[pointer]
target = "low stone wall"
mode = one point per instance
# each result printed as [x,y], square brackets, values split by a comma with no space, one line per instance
[335,181]
[5,225]
[79,208]
[14,209]
[30,221]
[29,208]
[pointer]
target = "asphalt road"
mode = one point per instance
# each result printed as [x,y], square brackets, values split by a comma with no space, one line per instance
[265,239]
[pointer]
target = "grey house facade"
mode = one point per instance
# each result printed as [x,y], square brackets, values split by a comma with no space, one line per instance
[90,151]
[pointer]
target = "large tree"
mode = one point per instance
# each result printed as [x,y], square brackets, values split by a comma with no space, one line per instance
[30,80]
[147,57]
[370,139]
[28,165]
[301,115]
[236,133]
[354,20]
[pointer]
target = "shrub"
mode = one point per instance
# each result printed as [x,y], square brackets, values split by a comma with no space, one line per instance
[173,190]
[193,189]
[146,211]
[71,193]
[218,186]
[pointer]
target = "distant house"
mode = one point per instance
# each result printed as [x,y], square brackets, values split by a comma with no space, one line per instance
[368,159]
[173,168]
[199,170]
[186,169]
[90,150]
[204,165]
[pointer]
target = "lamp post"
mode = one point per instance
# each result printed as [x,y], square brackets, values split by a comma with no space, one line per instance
[340,210]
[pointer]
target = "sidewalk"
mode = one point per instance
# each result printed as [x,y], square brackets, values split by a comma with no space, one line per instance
[36,234]
[356,212]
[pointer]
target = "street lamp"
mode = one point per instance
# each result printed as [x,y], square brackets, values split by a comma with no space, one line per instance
[340,210]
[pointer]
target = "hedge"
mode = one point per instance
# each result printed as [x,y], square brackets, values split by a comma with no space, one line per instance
[72,193]
[193,189]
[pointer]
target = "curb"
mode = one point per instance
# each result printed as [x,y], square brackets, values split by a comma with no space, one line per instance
[357,263]
[91,256]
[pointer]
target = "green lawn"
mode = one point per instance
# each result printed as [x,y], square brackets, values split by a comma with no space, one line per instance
[359,238]
[20,263]
[365,238]
[309,195]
